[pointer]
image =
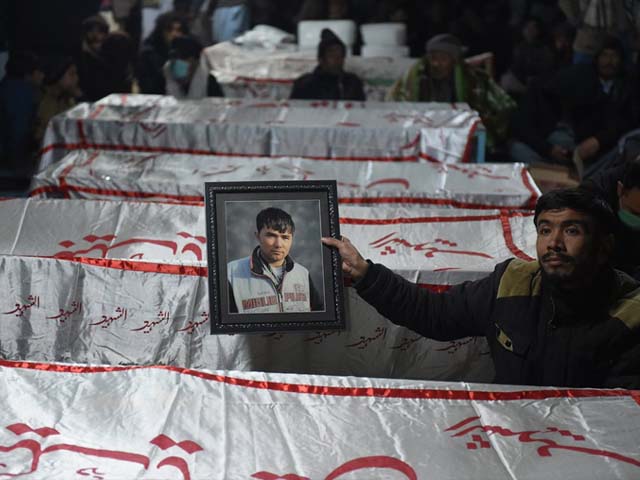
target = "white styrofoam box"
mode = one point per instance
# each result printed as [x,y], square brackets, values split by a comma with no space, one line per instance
[384,33]
[309,31]
[384,51]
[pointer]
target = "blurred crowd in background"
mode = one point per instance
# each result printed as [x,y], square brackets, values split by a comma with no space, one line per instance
[564,80]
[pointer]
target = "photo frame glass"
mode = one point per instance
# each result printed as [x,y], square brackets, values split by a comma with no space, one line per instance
[268,269]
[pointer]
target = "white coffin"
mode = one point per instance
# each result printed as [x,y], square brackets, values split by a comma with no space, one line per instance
[339,130]
[180,178]
[73,421]
[112,283]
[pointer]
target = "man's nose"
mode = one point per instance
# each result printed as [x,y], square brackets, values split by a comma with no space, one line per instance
[555,241]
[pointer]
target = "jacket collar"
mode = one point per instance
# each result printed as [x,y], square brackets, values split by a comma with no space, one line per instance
[256,264]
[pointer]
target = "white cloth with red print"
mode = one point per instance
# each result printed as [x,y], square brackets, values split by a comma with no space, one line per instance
[73,421]
[180,178]
[125,282]
[320,129]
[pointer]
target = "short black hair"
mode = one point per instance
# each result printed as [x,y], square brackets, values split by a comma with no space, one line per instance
[276,219]
[631,174]
[580,200]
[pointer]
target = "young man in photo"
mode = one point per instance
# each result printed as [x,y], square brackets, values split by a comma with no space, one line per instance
[269,280]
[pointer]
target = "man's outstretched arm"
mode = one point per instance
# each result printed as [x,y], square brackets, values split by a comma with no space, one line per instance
[465,310]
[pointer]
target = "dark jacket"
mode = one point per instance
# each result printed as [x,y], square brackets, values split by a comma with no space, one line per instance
[574,95]
[318,85]
[153,56]
[626,254]
[535,336]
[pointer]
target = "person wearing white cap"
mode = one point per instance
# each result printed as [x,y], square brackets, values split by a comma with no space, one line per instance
[442,76]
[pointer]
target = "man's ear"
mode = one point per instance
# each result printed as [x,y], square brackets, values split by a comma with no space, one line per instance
[257,235]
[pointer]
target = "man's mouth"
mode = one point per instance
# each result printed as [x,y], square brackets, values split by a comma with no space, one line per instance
[555,259]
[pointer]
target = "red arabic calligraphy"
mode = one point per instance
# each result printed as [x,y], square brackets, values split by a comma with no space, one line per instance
[427,247]
[358,464]
[149,325]
[91,472]
[455,345]
[21,308]
[36,437]
[470,172]
[400,181]
[320,337]
[467,426]
[219,171]
[100,244]
[64,315]
[192,326]
[364,342]
[108,320]
[405,343]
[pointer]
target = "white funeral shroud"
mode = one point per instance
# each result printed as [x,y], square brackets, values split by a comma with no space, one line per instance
[125,282]
[73,421]
[180,178]
[319,129]
[269,73]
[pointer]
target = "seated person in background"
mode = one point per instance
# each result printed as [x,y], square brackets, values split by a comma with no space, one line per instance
[19,98]
[620,187]
[329,81]
[90,63]
[584,107]
[155,52]
[442,76]
[269,281]
[183,73]
[568,319]
[61,92]
[118,55]
[532,56]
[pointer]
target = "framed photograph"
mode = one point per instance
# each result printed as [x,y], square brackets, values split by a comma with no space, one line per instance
[268,269]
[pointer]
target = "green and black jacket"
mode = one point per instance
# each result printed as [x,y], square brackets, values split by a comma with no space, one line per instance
[532,340]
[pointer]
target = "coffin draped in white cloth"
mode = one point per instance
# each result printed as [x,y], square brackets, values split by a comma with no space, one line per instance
[342,130]
[266,73]
[72,421]
[128,285]
[180,178]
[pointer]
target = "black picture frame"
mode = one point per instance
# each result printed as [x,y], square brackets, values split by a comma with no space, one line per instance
[231,207]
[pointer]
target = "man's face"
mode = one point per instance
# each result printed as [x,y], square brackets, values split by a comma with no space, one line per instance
[333,59]
[608,63]
[173,31]
[274,245]
[629,199]
[94,39]
[69,81]
[567,247]
[441,65]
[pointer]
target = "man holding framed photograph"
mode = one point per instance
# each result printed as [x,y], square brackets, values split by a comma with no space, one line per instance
[568,319]
[269,280]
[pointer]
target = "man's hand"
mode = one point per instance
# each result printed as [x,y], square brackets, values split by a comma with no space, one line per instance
[588,148]
[353,265]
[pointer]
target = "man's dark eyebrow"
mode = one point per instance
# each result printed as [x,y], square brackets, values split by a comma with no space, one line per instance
[567,223]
